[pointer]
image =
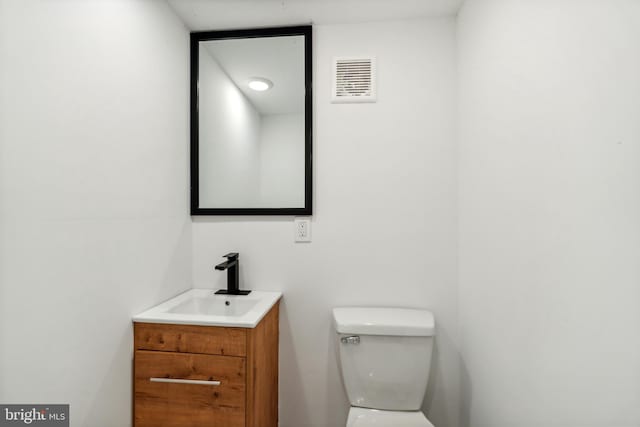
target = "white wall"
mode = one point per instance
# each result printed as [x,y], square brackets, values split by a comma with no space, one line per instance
[550,212]
[282,147]
[384,222]
[229,140]
[94,223]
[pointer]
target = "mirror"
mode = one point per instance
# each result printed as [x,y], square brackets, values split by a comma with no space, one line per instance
[251,122]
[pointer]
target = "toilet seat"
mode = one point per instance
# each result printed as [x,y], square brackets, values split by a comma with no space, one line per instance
[363,417]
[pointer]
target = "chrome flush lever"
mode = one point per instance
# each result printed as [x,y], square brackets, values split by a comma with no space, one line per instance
[353,339]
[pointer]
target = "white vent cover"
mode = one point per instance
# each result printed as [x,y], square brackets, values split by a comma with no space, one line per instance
[354,79]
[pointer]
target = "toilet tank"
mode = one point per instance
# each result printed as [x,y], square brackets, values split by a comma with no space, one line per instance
[384,355]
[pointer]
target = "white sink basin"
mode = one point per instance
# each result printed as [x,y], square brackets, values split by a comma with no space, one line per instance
[215,306]
[204,307]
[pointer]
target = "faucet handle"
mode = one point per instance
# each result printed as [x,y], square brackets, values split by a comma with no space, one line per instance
[232,256]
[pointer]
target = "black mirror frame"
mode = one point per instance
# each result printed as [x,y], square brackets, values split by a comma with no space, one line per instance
[196,38]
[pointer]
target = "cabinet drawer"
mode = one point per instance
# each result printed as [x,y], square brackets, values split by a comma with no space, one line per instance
[190,339]
[193,398]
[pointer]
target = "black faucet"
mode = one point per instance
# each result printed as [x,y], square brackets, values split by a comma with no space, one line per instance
[232,265]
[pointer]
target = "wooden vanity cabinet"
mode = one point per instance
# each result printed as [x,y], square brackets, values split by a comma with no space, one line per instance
[206,376]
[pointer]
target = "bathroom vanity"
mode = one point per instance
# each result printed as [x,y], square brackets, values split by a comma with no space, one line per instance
[205,360]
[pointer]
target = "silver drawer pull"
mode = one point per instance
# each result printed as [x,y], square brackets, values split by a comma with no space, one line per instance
[179,381]
[354,339]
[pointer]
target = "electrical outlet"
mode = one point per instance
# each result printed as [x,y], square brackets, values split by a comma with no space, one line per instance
[302,229]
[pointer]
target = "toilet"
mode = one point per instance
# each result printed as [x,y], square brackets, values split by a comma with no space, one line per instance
[385,358]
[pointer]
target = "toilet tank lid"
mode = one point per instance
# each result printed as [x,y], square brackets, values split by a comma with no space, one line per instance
[407,322]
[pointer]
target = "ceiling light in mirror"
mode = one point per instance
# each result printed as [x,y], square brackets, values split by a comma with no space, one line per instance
[260,84]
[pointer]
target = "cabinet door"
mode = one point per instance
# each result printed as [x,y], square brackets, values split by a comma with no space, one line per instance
[189,390]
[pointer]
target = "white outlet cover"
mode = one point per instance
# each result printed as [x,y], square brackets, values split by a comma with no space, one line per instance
[302,230]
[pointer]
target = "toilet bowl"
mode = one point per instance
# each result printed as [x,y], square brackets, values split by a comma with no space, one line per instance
[385,358]
[362,417]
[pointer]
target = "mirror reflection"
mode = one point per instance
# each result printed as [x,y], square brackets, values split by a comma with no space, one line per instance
[252,143]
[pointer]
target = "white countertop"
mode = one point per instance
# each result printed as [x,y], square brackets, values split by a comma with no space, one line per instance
[203,307]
